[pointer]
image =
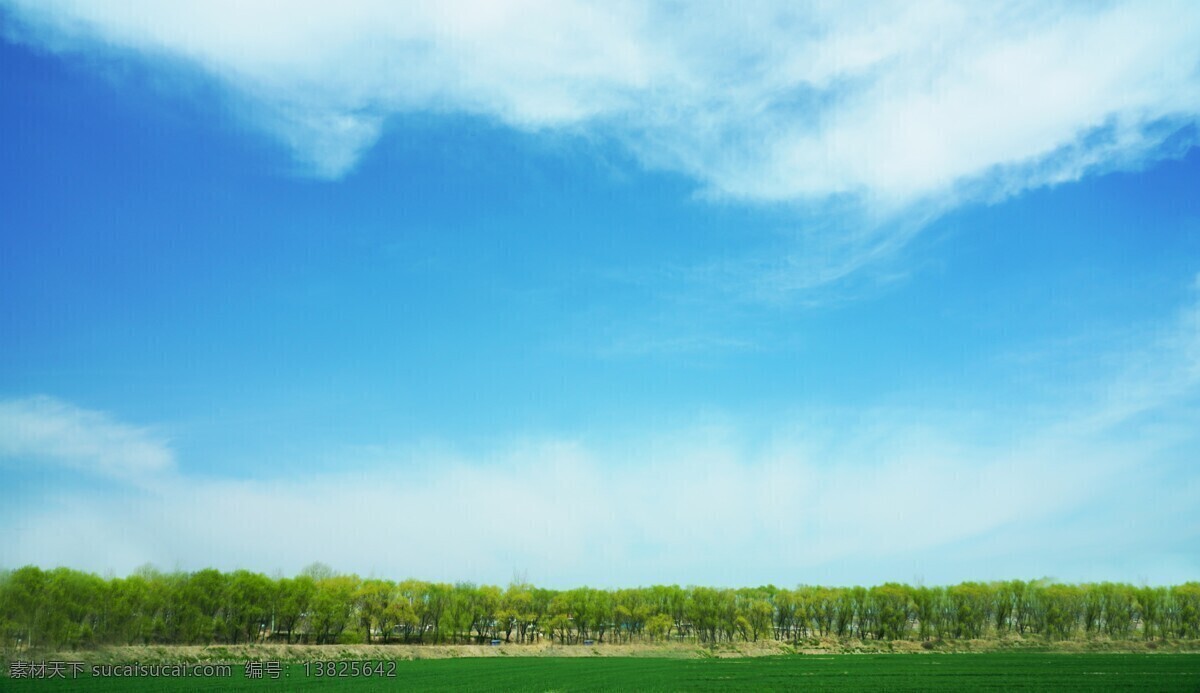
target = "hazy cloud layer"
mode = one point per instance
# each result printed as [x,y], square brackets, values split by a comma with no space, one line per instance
[570,513]
[1100,490]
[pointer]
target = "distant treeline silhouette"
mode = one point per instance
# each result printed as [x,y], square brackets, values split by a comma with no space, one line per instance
[68,608]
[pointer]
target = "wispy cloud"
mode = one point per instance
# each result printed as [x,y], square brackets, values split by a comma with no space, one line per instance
[1162,369]
[48,431]
[693,505]
[895,110]
[883,494]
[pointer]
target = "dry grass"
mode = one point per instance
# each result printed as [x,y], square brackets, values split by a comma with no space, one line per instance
[816,646]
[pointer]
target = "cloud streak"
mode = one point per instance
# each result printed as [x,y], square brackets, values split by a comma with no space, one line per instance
[48,431]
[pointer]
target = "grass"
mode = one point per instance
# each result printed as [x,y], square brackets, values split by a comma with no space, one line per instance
[995,671]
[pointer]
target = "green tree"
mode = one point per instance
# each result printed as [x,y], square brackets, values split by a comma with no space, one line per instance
[371,601]
[295,597]
[331,609]
[659,626]
[249,599]
[893,611]
[1187,596]
[969,603]
[1061,605]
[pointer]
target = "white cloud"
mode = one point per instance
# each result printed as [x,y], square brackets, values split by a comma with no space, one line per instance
[863,122]
[889,104]
[44,430]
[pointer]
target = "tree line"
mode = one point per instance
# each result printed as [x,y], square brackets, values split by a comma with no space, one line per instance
[65,608]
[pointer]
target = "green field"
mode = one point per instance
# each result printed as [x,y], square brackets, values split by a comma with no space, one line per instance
[949,672]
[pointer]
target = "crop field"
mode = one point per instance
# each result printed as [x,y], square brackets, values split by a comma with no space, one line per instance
[949,672]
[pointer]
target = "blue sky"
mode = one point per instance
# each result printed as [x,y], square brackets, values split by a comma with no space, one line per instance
[605,294]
